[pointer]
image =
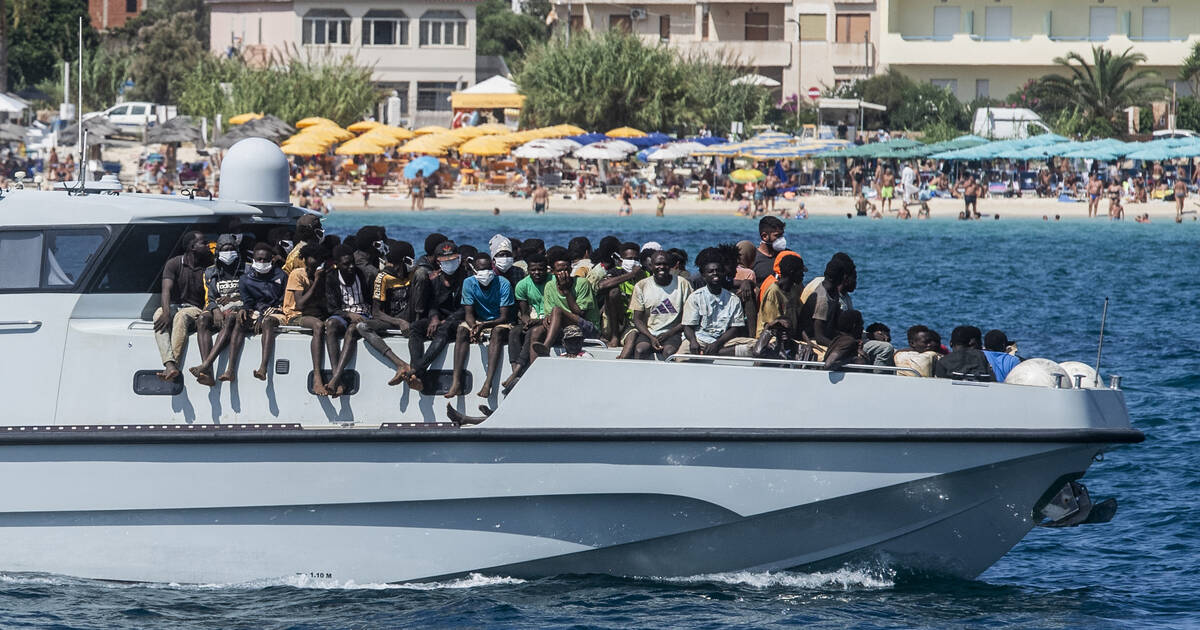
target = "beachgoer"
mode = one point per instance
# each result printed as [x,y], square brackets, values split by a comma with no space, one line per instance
[1181,191]
[887,190]
[541,199]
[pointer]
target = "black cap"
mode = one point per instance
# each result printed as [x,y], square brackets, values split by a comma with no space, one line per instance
[445,249]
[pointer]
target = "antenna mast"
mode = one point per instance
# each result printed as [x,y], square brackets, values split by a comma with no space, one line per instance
[82,143]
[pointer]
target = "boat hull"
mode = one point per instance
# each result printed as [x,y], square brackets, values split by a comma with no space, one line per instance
[356,506]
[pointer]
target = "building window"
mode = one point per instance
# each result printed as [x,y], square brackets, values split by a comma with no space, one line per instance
[664,27]
[443,28]
[1102,23]
[434,96]
[621,22]
[326,26]
[946,22]
[576,23]
[853,28]
[385,27]
[983,88]
[997,23]
[812,27]
[758,26]
[1156,24]
[131,6]
[704,24]
[950,85]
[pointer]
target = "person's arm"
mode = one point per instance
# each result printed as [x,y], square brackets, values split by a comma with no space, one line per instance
[841,352]
[310,293]
[613,281]
[639,322]
[675,328]
[163,322]
[823,329]
[730,333]
[689,333]
[500,319]
[469,311]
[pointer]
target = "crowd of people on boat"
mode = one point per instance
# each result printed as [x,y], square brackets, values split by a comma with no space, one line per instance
[522,299]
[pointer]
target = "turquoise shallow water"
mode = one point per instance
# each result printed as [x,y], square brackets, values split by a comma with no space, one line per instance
[1043,283]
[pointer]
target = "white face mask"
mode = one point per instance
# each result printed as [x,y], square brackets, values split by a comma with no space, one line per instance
[450,266]
[381,247]
[629,264]
[485,277]
[504,263]
[261,267]
[227,258]
[286,245]
[779,244]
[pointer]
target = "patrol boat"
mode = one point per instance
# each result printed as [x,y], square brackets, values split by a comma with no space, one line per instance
[114,474]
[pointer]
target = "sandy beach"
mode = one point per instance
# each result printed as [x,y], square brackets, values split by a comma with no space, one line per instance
[817,205]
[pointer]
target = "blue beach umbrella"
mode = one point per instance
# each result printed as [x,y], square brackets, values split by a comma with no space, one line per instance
[425,165]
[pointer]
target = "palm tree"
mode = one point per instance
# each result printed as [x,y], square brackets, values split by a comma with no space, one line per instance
[1102,89]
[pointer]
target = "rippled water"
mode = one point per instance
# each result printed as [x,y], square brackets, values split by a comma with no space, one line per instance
[1043,283]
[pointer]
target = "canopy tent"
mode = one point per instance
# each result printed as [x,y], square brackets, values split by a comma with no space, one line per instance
[495,93]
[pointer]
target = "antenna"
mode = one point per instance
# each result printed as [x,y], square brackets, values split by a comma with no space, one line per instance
[1100,348]
[79,109]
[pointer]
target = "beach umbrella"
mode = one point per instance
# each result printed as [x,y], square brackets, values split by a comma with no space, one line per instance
[177,130]
[484,146]
[380,138]
[569,130]
[272,125]
[98,128]
[242,119]
[10,132]
[625,132]
[649,140]
[588,138]
[744,175]
[359,146]
[493,129]
[708,141]
[313,121]
[303,149]
[602,151]
[431,129]
[424,165]
[538,150]
[363,126]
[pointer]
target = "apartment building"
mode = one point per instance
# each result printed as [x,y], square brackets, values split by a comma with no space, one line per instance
[106,14]
[798,43]
[990,48]
[423,50]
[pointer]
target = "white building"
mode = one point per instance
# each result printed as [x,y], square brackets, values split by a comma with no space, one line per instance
[424,50]
[799,43]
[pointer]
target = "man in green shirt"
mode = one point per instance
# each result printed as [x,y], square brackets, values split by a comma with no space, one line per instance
[566,300]
[531,314]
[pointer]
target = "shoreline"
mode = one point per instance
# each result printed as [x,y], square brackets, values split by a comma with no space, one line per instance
[817,205]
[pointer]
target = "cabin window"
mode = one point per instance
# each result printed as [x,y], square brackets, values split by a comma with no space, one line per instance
[20,259]
[136,262]
[68,255]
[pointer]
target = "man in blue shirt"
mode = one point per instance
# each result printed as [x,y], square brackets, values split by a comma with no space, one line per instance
[487,300]
[995,346]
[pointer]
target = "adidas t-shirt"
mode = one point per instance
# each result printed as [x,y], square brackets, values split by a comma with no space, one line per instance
[662,304]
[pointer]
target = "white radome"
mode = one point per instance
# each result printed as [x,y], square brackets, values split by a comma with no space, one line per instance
[1091,380]
[255,172]
[1038,373]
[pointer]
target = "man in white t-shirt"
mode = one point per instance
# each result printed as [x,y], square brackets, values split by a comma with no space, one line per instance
[657,305]
[908,179]
[713,320]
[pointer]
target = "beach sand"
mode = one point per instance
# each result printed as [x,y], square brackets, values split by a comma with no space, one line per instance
[817,205]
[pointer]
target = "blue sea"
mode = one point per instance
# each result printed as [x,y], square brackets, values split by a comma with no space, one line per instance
[1044,283]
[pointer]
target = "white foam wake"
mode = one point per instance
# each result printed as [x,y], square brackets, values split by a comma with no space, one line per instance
[473,580]
[844,578]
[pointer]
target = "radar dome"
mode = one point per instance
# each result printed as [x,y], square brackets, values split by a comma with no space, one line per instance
[1091,380]
[255,172]
[1038,373]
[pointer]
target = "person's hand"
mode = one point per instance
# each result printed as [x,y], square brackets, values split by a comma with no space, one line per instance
[320,273]
[710,349]
[656,343]
[477,331]
[432,327]
[162,323]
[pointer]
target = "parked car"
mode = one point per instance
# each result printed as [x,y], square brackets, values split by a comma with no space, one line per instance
[1006,123]
[1175,133]
[134,116]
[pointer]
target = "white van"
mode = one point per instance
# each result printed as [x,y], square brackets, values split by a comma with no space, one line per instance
[1006,123]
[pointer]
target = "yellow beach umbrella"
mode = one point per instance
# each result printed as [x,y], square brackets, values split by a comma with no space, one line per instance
[485,146]
[744,175]
[359,146]
[423,131]
[328,131]
[466,133]
[313,140]
[625,132]
[492,129]
[398,133]
[428,145]
[313,121]
[304,149]
[380,138]
[363,126]
[242,119]
[570,130]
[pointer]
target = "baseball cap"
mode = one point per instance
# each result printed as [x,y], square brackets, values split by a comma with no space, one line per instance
[572,332]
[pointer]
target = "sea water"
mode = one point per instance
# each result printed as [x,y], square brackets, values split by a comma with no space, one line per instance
[1043,283]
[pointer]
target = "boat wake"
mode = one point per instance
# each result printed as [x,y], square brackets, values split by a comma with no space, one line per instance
[845,578]
[473,580]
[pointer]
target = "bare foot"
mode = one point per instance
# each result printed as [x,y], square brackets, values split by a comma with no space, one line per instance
[204,377]
[415,383]
[319,389]
[485,392]
[455,390]
[540,349]
[260,375]
[227,377]
[402,375]
[169,373]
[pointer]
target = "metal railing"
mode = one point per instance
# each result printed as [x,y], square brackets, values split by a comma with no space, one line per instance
[792,362]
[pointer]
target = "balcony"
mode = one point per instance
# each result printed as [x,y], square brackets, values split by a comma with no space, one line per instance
[1030,50]
[760,53]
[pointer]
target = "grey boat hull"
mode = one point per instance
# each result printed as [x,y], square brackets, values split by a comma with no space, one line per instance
[371,507]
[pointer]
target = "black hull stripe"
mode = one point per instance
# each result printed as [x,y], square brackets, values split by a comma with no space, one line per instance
[209,434]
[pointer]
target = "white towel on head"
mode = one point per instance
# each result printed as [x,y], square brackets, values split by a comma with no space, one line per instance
[654,245]
[499,243]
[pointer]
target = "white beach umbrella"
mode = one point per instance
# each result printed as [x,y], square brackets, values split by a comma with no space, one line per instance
[605,151]
[675,151]
[537,151]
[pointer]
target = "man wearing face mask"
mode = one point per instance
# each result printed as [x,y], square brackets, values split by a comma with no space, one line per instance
[771,242]
[616,289]
[222,308]
[182,302]
[371,248]
[347,297]
[437,306]
[487,303]
[308,232]
[392,300]
[262,290]
[504,263]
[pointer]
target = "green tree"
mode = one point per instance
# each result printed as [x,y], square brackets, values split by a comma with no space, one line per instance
[105,69]
[1190,70]
[910,105]
[614,79]
[165,51]
[41,34]
[502,32]
[1100,90]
